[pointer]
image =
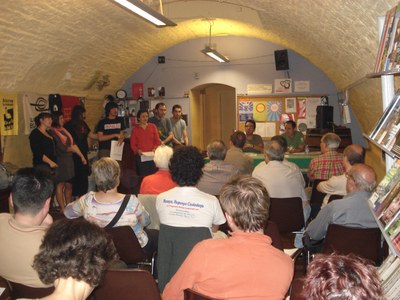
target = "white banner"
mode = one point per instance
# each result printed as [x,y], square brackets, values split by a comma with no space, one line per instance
[33,105]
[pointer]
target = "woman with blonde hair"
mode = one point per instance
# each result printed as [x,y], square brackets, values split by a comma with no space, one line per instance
[102,207]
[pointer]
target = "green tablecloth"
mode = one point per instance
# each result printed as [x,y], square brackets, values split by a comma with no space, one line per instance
[301,159]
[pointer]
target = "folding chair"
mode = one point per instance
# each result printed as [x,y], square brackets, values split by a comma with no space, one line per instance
[128,247]
[4,204]
[363,242]
[273,232]
[316,199]
[287,214]
[127,285]
[174,245]
[189,294]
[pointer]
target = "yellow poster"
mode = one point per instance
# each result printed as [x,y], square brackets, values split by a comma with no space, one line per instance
[8,114]
[260,111]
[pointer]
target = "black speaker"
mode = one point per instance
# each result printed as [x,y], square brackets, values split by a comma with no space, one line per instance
[281,60]
[324,117]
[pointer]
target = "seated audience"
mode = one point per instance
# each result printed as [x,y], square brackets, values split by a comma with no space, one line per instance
[160,181]
[254,142]
[235,155]
[352,154]
[330,162]
[341,277]
[294,138]
[352,210]
[21,233]
[101,207]
[217,172]
[244,266]
[280,179]
[185,205]
[74,256]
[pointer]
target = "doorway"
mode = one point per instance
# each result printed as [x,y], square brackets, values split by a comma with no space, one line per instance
[213,111]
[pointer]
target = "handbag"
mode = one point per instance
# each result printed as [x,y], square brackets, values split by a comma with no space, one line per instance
[119,212]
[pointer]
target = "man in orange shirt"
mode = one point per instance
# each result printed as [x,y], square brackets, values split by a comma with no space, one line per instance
[244,266]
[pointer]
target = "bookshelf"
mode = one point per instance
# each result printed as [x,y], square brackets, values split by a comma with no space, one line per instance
[385,201]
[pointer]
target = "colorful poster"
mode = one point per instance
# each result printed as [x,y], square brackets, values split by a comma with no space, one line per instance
[245,110]
[260,111]
[274,110]
[33,104]
[9,114]
[301,108]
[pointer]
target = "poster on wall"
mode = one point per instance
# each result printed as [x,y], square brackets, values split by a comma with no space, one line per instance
[68,103]
[274,110]
[260,111]
[301,107]
[301,86]
[302,125]
[283,86]
[32,105]
[311,107]
[9,114]
[245,110]
[290,105]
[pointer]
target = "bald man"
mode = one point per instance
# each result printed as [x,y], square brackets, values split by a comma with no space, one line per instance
[352,154]
[352,210]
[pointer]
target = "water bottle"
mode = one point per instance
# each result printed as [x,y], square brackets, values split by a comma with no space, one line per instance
[307,150]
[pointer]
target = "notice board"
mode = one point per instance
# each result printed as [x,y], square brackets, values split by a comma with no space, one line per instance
[271,112]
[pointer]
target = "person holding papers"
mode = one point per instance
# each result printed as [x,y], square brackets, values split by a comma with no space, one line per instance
[144,139]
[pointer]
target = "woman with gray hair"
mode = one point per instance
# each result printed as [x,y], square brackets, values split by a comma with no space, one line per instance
[160,181]
[101,207]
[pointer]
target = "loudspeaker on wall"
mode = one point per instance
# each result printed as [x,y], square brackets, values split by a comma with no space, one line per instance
[324,117]
[281,60]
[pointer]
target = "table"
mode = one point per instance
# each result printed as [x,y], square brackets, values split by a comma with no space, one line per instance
[301,159]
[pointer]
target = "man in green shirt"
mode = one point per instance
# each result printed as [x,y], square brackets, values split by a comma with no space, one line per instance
[294,138]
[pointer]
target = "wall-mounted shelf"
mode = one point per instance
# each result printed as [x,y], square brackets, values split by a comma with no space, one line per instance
[391,154]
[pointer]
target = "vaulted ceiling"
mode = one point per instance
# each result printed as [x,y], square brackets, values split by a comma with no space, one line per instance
[62,46]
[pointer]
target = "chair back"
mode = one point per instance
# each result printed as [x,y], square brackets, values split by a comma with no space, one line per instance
[189,294]
[316,198]
[133,284]
[149,203]
[287,214]
[174,245]
[18,290]
[127,244]
[334,197]
[272,231]
[4,196]
[363,242]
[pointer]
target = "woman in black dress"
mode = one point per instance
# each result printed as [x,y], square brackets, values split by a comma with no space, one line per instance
[80,132]
[65,146]
[42,144]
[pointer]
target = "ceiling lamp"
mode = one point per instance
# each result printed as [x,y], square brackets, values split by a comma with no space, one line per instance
[146,12]
[214,54]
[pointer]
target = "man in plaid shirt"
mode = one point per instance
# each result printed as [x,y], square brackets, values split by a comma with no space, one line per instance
[330,162]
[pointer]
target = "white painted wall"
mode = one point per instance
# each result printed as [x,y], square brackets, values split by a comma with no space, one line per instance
[252,61]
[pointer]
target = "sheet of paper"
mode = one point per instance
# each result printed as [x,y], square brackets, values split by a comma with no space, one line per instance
[147,156]
[301,86]
[116,151]
[266,129]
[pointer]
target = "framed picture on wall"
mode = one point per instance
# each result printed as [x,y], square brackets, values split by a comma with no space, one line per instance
[290,105]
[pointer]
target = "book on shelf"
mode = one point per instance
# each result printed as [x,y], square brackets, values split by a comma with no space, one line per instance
[383,189]
[385,40]
[389,273]
[391,213]
[387,128]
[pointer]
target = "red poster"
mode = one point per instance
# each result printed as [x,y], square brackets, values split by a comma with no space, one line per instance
[137,90]
[68,103]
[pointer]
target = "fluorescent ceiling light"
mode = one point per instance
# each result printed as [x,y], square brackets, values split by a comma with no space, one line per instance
[214,54]
[146,12]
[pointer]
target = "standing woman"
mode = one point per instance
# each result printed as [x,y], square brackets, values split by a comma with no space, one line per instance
[80,132]
[64,148]
[42,144]
[144,138]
